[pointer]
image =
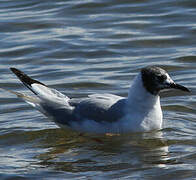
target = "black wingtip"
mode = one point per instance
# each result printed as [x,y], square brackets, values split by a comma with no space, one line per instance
[13,69]
[24,78]
[16,71]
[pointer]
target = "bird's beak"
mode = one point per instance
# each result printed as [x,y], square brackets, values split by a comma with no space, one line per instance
[180,87]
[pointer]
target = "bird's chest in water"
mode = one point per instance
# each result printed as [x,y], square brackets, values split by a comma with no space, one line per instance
[152,121]
[142,120]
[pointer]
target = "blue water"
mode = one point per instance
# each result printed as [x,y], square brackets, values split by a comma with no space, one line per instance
[96,46]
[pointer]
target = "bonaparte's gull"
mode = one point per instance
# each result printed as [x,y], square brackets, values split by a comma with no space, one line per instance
[104,113]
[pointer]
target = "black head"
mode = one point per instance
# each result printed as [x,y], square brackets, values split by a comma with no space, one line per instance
[156,79]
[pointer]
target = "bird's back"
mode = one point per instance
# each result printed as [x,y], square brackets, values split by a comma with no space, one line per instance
[99,108]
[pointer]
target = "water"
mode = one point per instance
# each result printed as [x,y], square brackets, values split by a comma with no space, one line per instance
[83,47]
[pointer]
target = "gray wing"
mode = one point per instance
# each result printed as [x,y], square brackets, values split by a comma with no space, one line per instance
[99,107]
[63,110]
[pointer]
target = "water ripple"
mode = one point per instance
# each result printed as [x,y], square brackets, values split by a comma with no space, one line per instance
[95,46]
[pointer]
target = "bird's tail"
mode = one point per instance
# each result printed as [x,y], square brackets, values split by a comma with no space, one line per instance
[48,101]
[33,101]
[44,93]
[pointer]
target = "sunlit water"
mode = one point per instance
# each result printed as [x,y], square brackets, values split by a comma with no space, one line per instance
[84,47]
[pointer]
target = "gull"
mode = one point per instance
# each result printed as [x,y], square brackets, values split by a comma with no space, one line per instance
[104,113]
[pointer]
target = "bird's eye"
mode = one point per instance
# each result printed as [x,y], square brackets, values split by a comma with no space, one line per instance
[161,78]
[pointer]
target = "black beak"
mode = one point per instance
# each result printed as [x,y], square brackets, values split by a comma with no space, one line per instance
[180,87]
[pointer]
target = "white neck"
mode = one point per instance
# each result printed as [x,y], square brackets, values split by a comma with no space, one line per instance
[140,97]
[143,109]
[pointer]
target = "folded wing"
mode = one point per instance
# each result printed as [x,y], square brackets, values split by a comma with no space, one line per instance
[99,107]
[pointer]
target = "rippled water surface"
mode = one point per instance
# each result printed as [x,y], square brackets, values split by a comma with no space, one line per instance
[95,46]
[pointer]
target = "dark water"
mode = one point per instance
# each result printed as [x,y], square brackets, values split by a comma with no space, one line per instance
[82,47]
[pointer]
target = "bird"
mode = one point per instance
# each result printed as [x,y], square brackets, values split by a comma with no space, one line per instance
[104,113]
